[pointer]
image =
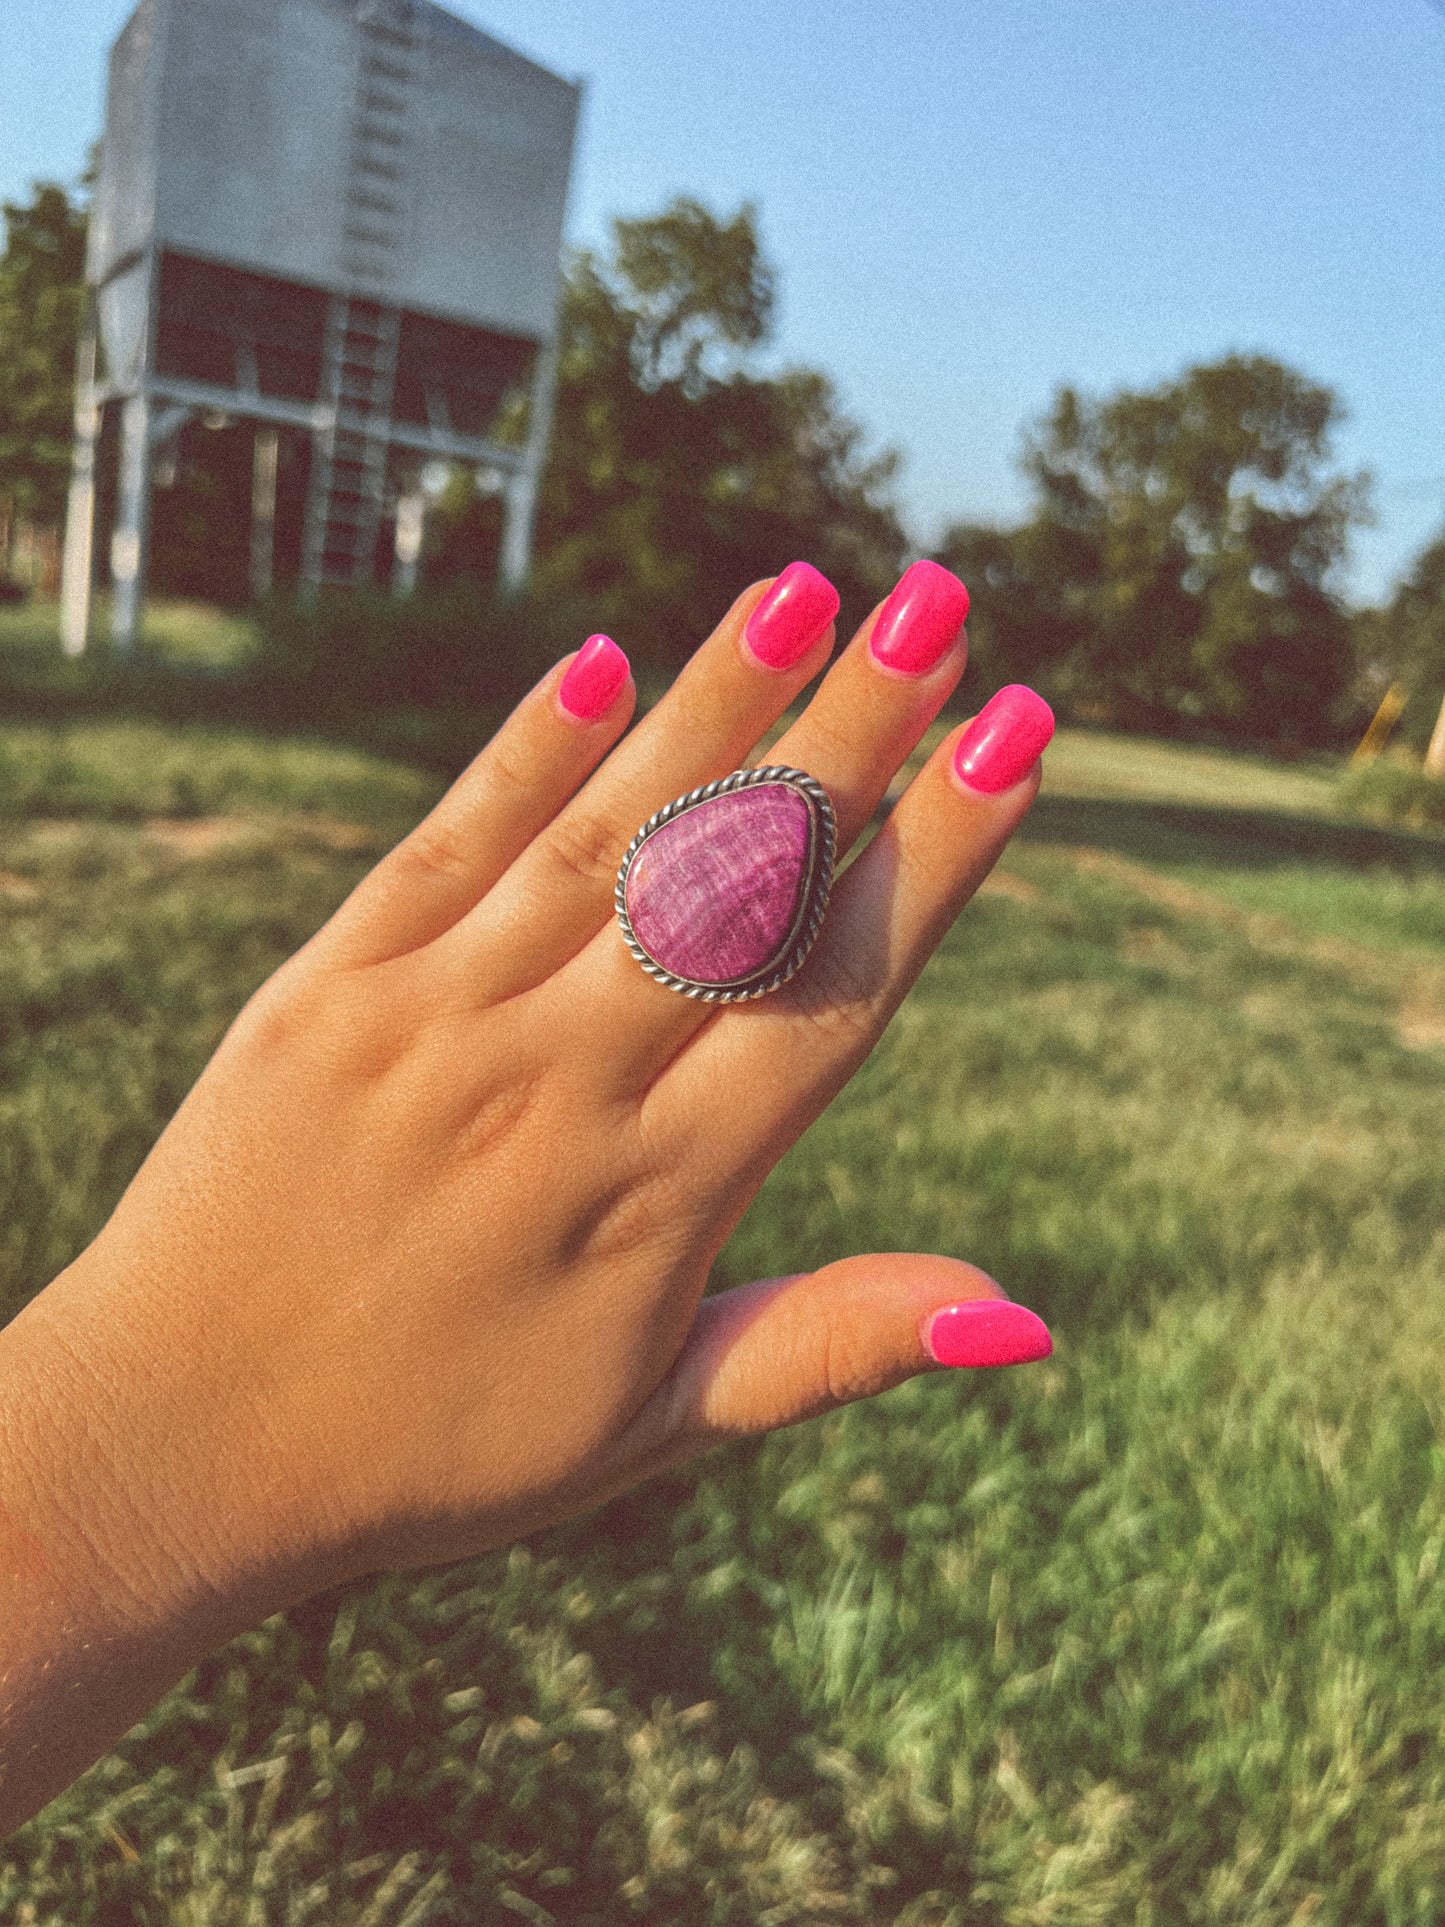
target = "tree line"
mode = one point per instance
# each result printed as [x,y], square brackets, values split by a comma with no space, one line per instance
[1178,569]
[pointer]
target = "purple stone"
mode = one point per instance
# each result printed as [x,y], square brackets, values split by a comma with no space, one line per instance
[714,895]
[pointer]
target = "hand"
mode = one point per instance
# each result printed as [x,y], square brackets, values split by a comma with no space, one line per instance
[418,1266]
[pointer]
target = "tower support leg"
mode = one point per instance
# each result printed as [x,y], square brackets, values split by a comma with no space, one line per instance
[265,463]
[410,533]
[129,544]
[520,500]
[77,561]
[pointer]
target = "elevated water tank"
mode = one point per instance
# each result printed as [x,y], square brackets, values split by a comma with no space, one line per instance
[338,217]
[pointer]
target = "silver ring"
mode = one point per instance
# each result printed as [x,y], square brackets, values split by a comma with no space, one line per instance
[698,910]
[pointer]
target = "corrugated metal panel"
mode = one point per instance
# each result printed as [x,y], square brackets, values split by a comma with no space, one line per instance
[123,216]
[384,148]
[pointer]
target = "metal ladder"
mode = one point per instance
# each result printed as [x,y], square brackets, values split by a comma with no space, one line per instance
[380,170]
[347,489]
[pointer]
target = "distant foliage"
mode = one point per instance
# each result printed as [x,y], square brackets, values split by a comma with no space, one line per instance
[451,647]
[1407,639]
[1179,571]
[40,307]
[1180,565]
[678,472]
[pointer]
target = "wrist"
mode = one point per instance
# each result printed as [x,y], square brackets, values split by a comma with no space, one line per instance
[135,1532]
[128,1468]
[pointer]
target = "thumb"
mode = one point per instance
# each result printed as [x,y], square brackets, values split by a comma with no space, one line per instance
[785,1349]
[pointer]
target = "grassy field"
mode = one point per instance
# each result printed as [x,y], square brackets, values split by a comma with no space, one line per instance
[184,632]
[1152,1633]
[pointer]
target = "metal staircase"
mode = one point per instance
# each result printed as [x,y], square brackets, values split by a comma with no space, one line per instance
[347,490]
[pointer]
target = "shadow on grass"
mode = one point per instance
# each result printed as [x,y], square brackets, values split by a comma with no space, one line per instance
[36,686]
[1152,832]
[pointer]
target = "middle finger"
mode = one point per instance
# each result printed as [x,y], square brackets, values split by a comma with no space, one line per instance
[558,893]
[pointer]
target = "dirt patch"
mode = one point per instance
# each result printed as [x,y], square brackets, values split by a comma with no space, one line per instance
[17,888]
[196,836]
[337,834]
[1422,1029]
[1003,883]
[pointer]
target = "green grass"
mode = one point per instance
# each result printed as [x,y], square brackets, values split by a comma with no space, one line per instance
[1100,763]
[182,632]
[1153,1632]
[128,771]
[1396,789]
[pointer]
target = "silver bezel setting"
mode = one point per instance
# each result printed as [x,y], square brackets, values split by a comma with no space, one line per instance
[822,847]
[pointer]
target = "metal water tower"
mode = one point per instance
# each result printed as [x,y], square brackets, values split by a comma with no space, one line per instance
[342,217]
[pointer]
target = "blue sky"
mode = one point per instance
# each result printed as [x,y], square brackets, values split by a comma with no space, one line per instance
[971,201]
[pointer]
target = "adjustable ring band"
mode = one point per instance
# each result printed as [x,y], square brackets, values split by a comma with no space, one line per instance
[721,894]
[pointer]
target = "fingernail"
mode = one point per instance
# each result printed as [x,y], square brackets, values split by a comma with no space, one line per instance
[791,616]
[920,619]
[986,1331]
[594,679]
[1004,740]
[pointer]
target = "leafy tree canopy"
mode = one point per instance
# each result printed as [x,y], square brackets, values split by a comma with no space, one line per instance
[1181,558]
[41,297]
[678,471]
[1406,640]
[1415,620]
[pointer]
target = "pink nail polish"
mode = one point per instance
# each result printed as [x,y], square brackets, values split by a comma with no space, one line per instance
[594,679]
[791,616]
[986,1331]
[1004,740]
[920,619]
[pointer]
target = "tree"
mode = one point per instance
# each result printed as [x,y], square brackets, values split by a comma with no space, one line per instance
[41,302]
[1181,561]
[1414,625]
[1408,639]
[677,472]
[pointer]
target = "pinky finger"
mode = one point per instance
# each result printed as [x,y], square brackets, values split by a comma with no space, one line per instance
[547,748]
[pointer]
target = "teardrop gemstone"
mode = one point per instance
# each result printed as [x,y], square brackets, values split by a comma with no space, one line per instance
[715,895]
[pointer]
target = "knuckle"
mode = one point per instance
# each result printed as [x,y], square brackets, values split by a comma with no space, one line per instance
[824,742]
[509,766]
[436,850]
[613,1231]
[837,1377]
[843,1376]
[839,1000]
[585,847]
[852,1369]
[283,1017]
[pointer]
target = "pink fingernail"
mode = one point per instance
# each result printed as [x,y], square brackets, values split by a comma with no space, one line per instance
[920,619]
[594,679]
[1004,740]
[791,616]
[986,1331]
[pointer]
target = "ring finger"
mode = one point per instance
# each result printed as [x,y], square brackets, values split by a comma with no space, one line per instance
[862,724]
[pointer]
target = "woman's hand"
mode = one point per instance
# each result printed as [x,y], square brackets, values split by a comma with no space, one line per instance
[418,1265]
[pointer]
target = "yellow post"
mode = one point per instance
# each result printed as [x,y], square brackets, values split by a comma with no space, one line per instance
[1385,719]
[1435,754]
